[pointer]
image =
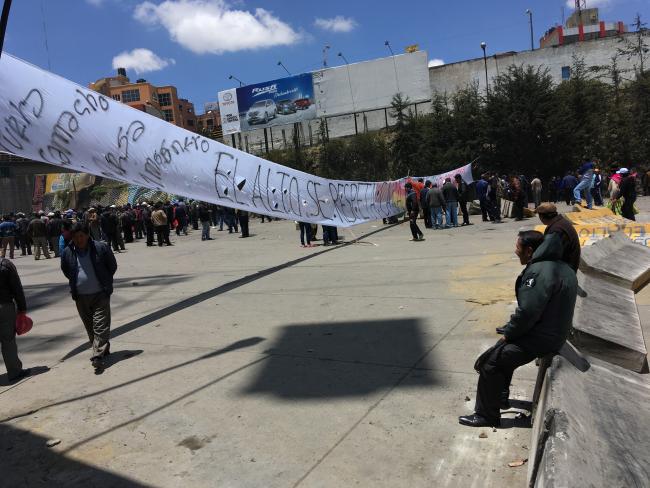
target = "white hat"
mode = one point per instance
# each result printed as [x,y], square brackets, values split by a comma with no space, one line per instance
[51,214]
[113,206]
[622,171]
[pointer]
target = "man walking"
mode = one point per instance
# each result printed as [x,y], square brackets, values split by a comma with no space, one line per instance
[54,231]
[90,266]
[536,186]
[160,224]
[481,193]
[12,299]
[37,231]
[436,202]
[450,192]
[546,294]
[413,209]
[569,182]
[426,211]
[204,217]
[7,236]
[463,196]
[24,242]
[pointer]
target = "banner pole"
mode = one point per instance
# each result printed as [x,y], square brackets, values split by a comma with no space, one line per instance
[3,22]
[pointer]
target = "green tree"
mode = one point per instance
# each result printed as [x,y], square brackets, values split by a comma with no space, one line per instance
[516,120]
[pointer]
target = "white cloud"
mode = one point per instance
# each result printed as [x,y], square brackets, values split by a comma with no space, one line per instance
[213,26]
[436,62]
[336,24]
[141,61]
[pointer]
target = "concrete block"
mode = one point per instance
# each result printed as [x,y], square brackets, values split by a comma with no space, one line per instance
[606,323]
[590,428]
[618,260]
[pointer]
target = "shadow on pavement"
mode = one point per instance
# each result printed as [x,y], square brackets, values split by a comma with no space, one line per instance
[44,294]
[344,359]
[27,461]
[118,356]
[219,290]
[232,347]
[34,371]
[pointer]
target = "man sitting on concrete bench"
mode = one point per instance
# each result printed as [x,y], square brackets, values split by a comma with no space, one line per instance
[546,295]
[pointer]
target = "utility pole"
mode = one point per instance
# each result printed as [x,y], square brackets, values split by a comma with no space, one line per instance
[640,27]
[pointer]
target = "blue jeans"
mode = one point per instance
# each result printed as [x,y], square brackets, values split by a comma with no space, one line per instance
[452,214]
[585,184]
[436,217]
[205,231]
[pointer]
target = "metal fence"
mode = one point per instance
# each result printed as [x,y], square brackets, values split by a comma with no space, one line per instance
[309,132]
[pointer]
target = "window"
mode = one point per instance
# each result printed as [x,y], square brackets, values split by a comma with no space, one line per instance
[210,122]
[154,96]
[5,172]
[190,122]
[131,96]
[200,124]
[116,97]
[165,99]
[168,115]
[566,72]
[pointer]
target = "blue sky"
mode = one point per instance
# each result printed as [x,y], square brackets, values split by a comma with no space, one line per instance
[196,44]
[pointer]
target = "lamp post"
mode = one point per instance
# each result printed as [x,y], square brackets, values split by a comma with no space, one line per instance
[487,85]
[325,49]
[387,44]
[530,21]
[354,108]
[232,77]
[285,68]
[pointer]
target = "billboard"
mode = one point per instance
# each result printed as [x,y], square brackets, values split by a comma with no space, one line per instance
[68,181]
[277,102]
[229,111]
[371,85]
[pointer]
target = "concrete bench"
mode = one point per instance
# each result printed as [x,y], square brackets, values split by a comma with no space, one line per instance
[591,428]
[606,323]
[618,260]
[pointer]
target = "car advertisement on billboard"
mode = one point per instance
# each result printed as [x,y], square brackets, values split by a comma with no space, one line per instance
[277,102]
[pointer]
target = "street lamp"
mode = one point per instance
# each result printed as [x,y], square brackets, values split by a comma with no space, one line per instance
[285,68]
[231,77]
[487,86]
[325,49]
[354,108]
[387,44]
[530,21]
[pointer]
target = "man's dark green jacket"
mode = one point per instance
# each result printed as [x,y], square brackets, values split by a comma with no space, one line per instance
[546,295]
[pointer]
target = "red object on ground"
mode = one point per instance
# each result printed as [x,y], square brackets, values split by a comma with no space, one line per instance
[23,323]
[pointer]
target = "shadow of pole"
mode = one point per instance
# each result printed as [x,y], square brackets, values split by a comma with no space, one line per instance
[207,295]
[164,406]
[232,347]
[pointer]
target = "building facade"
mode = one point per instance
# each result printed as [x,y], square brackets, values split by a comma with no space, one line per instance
[161,101]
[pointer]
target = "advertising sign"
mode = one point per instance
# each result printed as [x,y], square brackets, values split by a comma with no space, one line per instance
[277,102]
[68,181]
[229,111]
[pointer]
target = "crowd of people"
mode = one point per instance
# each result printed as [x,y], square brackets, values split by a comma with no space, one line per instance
[439,206]
[46,234]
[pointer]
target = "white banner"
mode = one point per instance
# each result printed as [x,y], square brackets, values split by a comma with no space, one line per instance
[229,109]
[47,118]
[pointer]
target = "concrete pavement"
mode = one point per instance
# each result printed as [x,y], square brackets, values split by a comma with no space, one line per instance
[254,362]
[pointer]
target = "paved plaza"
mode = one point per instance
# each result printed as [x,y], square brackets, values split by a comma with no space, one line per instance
[257,363]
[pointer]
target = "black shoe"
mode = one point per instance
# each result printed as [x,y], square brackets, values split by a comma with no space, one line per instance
[24,373]
[98,364]
[476,420]
[505,404]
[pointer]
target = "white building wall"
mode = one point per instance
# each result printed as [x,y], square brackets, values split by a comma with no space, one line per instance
[451,77]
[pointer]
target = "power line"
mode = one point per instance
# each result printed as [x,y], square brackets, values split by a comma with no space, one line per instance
[47,49]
